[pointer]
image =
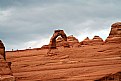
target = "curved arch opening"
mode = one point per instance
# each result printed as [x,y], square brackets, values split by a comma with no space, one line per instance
[55,35]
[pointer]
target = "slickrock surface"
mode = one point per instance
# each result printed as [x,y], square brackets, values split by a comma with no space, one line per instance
[7,78]
[86,63]
[115,33]
[111,77]
[94,60]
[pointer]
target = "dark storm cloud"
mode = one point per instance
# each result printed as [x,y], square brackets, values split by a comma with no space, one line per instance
[23,21]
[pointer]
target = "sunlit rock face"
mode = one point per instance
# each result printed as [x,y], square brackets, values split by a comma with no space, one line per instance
[97,41]
[56,34]
[86,41]
[5,67]
[115,33]
[72,41]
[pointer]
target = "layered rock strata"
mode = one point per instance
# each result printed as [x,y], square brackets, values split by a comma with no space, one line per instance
[115,33]
[86,41]
[52,44]
[5,67]
[97,41]
[72,41]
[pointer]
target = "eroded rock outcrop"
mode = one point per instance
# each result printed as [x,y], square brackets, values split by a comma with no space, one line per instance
[52,44]
[86,41]
[115,33]
[97,41]
[5,67]
[111,77]
[2,51]
[45,47]
[72,41]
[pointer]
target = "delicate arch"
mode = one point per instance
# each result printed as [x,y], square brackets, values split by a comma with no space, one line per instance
[57,33]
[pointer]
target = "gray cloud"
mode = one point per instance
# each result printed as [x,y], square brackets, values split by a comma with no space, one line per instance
[23,21]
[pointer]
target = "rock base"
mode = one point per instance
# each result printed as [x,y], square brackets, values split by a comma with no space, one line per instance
[7,78]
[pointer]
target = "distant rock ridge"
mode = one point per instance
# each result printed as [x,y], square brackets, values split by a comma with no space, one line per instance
[114,37]
[45,47]
[95,41]
[72,41]
[115,33]
[86,41]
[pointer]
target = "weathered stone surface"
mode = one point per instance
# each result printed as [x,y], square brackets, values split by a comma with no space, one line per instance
[111,77]
[97,41]
[2,51]
[115,33]
[59,42]
[86,41]
[7,78]
[87,63]
[5,67]
[45,47]
[72,41]
[57,33]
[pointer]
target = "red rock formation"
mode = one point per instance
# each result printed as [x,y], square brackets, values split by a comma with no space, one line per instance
[115,33]
[72,41]
[87,63]
[5,67]
[45,47]
[86,41]
[57,33]
[97,41]
[2,50]
[111,77]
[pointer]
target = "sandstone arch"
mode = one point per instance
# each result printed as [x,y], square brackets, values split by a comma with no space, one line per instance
[52,44]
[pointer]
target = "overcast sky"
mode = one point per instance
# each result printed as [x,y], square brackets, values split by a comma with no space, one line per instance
[30,23]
